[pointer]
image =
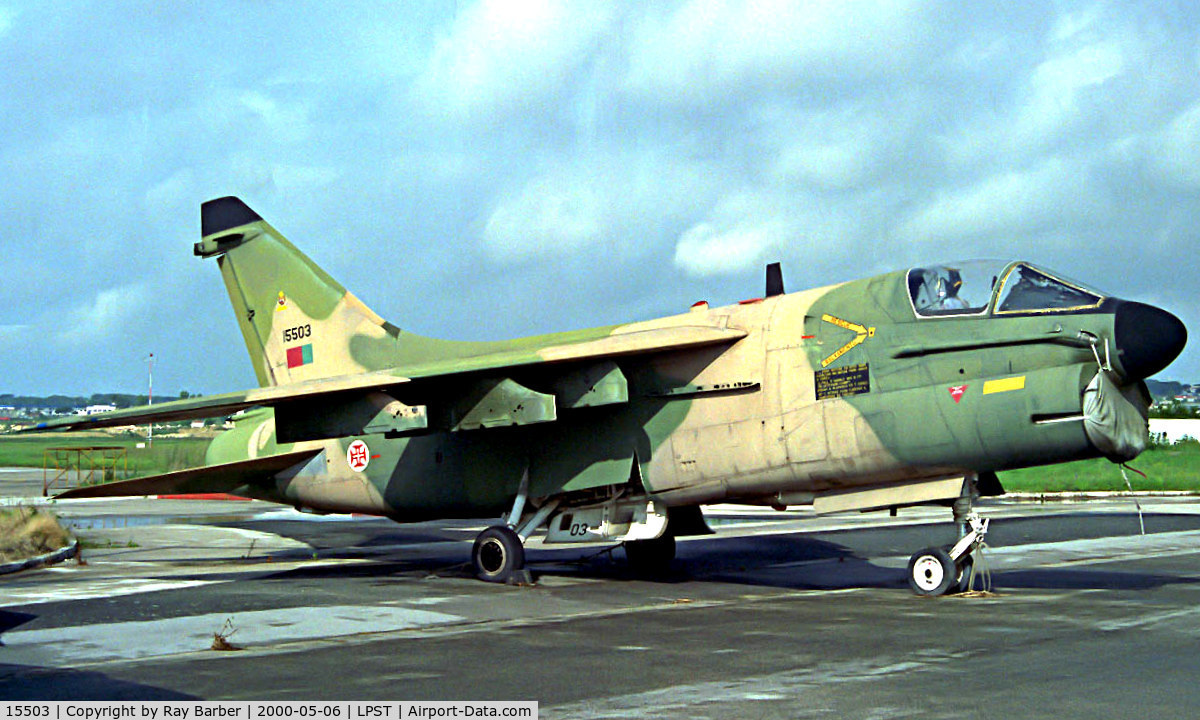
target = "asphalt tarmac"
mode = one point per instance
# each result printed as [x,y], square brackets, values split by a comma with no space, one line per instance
[779,615]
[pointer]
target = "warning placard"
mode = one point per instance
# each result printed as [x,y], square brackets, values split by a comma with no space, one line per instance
[841,381]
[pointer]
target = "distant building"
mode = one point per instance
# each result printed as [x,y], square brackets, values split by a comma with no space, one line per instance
[96,409]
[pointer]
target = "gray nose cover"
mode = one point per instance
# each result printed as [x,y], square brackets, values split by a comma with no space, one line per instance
[1114,418]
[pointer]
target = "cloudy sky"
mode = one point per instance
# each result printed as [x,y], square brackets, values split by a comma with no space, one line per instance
[487,170]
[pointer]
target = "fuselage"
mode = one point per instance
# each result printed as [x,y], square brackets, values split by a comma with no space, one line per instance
[870,382]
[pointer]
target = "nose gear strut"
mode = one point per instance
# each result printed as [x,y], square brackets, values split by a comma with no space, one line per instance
[937,571]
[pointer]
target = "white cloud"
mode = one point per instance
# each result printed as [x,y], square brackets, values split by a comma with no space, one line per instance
[105,316]
[1175,150]
[8,18]
[754,226]
[172,195]
[286,122]
[840,148]
[502,58]
[1008,204]
[1093,72]
[550,217]
[1059,87]
[612,201]
[300,178]
[707,48]
[709,249]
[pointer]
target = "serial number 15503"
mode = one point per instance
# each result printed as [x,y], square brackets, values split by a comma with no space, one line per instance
[297,333]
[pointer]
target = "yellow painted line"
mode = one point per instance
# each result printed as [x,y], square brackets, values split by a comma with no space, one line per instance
[860,334]
[1005,385]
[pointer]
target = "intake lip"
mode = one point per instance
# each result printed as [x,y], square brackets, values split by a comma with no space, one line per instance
[1147,339]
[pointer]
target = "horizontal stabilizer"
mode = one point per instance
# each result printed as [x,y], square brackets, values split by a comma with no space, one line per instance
[222,478]
[220,405]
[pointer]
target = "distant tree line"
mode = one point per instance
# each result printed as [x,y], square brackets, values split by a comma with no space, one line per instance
[1175,410]
[67,403]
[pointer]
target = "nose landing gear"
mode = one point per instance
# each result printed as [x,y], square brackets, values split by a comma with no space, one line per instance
[937,571]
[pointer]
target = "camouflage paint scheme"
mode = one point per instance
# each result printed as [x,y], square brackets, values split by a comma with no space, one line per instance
[710,405]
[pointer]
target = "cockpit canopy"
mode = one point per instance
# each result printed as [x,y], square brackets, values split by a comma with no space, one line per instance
[974,287]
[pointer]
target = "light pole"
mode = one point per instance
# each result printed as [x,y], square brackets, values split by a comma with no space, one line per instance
[150,400]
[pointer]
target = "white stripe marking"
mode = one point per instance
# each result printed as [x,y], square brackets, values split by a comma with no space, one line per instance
[169,636]
[88,590]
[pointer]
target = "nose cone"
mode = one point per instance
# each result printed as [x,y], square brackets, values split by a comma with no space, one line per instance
[1147,339]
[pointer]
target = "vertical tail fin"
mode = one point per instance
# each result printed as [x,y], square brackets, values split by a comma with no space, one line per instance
[298,322]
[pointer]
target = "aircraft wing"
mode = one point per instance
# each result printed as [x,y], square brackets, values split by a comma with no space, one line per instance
[339,390]
[221,478]
[615,345]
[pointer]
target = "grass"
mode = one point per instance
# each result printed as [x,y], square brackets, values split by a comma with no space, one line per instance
[166,455]
[26,532]
[1167,467]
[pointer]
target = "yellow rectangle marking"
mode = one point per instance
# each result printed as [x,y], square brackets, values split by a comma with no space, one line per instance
[999,386]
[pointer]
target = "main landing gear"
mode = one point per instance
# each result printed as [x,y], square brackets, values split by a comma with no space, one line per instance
[498,554]
[938,571]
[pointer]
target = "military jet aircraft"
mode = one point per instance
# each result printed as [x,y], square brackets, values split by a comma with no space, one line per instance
[912,387]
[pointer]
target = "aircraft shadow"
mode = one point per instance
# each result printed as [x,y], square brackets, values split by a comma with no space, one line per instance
[10,620]
[830,560]
[844,559]
[340,535]
[30,682]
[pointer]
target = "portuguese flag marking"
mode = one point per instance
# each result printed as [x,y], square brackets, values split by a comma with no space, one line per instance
[298,356]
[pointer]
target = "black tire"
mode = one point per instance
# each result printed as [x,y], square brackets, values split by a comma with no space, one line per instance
[931,572]
[650,558]
[963,583]
[497,554]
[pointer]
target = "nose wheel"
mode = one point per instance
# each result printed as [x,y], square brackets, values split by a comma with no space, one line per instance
[931,572]
[936,571]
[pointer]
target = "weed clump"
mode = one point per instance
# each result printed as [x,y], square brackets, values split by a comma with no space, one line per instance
[28,532]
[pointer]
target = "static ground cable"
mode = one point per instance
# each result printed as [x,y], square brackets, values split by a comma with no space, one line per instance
[979,568]
[1136,504]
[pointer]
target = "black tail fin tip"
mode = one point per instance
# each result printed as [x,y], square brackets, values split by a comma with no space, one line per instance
[224,213]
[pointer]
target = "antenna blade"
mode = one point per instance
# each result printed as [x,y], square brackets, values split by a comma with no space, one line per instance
[774,280]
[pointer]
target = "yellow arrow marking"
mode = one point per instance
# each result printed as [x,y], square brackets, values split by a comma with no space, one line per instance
[860,334]
[852,327]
